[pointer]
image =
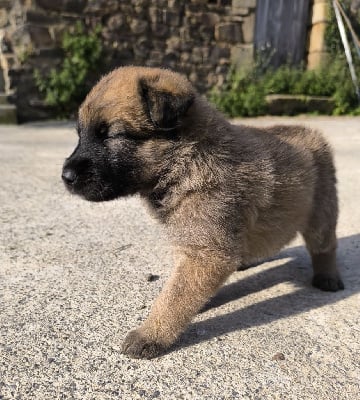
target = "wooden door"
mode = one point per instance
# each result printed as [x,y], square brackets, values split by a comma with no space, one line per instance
[281,30]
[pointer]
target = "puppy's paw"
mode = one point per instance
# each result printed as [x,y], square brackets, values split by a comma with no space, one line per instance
[328,283]
[137,345]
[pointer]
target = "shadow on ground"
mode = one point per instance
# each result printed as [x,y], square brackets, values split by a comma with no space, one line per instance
[297,271]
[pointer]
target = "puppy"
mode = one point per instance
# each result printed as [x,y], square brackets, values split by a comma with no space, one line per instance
[227,194]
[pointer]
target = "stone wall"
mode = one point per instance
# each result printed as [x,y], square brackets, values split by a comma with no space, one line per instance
[200,38]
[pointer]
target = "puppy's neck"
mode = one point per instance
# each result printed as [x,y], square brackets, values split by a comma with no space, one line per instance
[203,122]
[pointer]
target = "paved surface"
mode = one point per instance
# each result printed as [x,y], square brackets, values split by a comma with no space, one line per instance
[73,282]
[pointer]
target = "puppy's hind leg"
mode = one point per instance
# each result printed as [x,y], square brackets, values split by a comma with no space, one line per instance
[320,233]
[321,243]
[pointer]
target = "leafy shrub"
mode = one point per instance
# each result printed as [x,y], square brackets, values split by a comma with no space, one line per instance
[245,91]
[241,95]
[332,37]
[66,88]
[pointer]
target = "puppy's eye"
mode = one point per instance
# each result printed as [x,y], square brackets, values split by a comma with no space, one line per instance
[103,129]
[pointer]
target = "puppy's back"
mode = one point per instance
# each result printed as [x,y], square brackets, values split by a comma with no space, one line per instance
[303,186]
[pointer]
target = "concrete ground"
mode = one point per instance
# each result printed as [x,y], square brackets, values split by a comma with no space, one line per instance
[73,281]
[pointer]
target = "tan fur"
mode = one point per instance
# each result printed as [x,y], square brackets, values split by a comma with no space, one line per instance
[227,194]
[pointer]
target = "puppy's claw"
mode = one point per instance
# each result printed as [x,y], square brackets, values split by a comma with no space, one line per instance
[328,283]
[136,345]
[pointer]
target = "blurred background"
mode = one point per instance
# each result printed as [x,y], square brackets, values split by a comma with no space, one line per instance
[249,57]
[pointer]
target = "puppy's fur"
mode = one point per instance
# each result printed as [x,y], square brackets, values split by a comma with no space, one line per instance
[227,194]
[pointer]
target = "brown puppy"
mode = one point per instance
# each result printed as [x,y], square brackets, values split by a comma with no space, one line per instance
[227,194]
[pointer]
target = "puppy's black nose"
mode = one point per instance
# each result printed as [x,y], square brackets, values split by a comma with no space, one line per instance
[69,176]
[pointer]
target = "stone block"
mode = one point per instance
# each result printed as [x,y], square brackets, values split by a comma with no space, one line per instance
[138,26]
[158,44]
[2,81]
[206,33]
[154,15]
[173,43]
[200,2]
[171,18]
[199,55]
[161,3]
[156,56]
[170,60]
[242,56]
[295,104]
[140,3]
[115,22]
[193,8]
[58,32]
[174,3]
[3,17]
[40,36]
[244,3]
[141,12]
[232,18]
[142,47]
[122,56]
[210,18]
[5,44]
[222,69]
[242,11]
[8,114]
[159,30]
[185,57]
[317,37]
[20,39]
[3,96]
[320,12]
[248,28]
[72,6]
[7,4]
[55,52]
[194,77]
[218,53]
[41,18]
[229,32]
[184,34]
[9,61]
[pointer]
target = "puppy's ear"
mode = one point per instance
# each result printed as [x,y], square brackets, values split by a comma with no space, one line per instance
[164,107]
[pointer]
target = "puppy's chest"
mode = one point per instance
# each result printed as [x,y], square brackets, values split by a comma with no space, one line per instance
[161,204]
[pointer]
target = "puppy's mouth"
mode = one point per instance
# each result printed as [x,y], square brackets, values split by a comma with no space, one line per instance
[92,187]
[93,192]
[87,186]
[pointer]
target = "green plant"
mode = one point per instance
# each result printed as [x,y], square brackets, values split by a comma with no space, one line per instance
[245,91]
[66,87]
[24,54]
[332,37]
[241,95]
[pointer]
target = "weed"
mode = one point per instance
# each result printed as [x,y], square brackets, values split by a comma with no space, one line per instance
[245,91]
[66,87]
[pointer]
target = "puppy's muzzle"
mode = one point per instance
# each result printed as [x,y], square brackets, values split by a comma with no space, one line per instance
[69,176]
[75,170]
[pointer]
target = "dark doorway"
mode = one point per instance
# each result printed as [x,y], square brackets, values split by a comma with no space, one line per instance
[281,30]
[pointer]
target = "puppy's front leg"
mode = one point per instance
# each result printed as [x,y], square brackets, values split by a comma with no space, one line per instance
[193,282]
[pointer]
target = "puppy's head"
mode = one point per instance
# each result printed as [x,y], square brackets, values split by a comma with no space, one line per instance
[126,122]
